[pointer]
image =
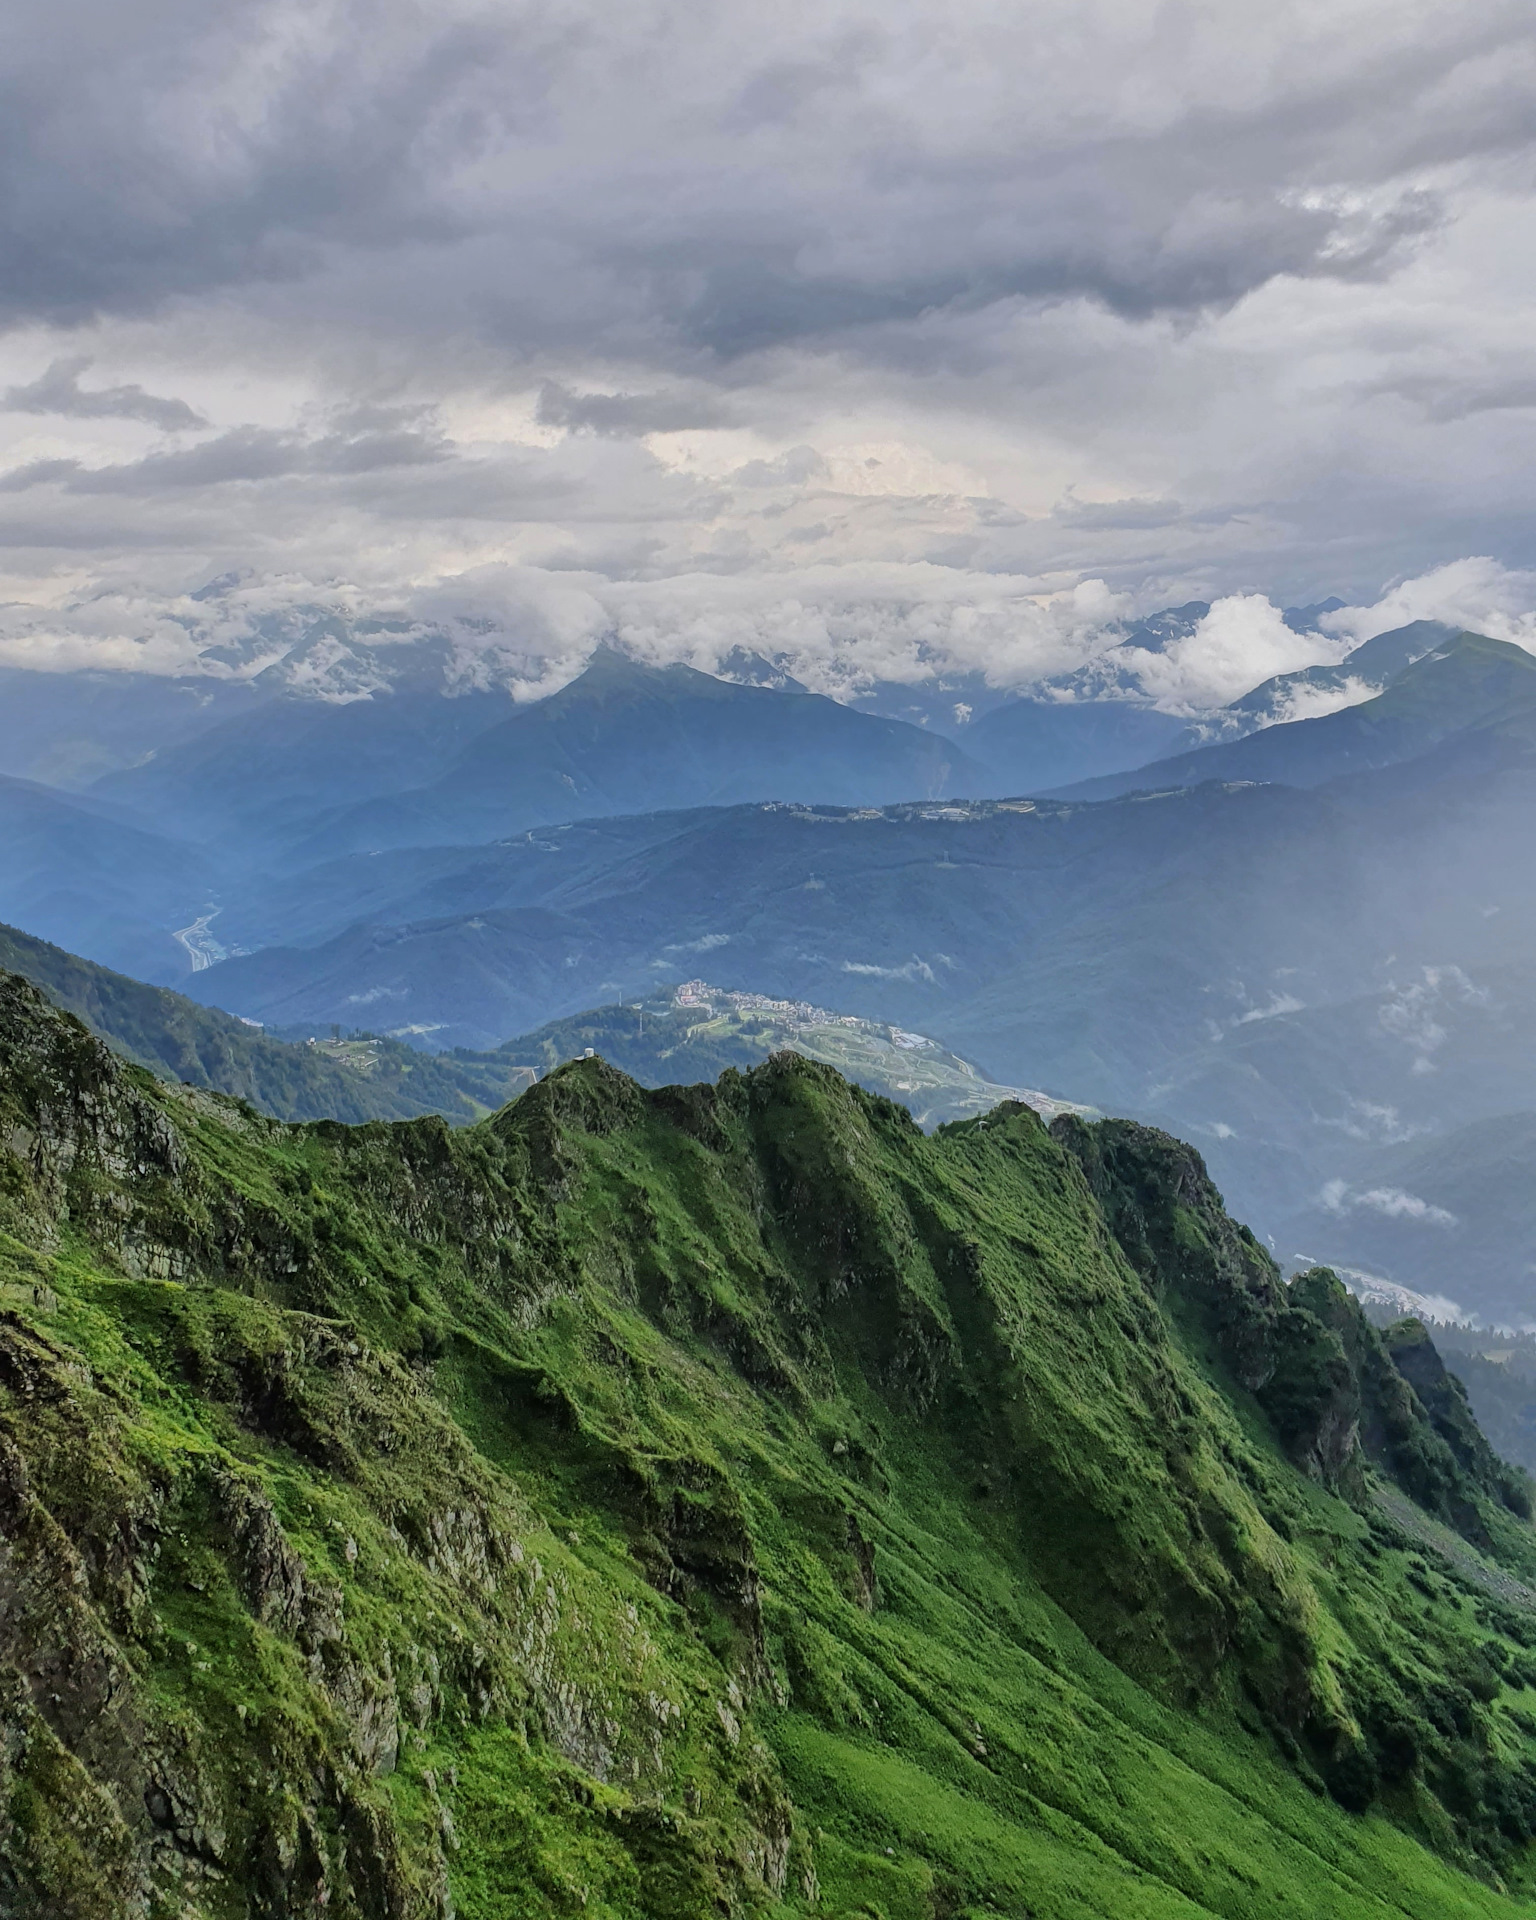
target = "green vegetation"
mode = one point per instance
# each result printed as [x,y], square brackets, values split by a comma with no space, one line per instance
[1497,1369]
[696,1031]
[716,1500]
[357,1079]
[320,1074]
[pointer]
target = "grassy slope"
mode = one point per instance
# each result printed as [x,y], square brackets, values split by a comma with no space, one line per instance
[669,1504]
[179,1040]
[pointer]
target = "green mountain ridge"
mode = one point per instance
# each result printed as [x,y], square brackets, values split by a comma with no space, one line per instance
[718,1501]
[688,1033]
[175,1038]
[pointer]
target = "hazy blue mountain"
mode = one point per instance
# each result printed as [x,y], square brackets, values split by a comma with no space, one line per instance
[1049,934]
[1305,619]
[392,888]
[627,738]
[1368,669]
[1468,682]
[350,1079]
[359,733]
[253,779]
[68,729]
[749,669]
[76,872]
[1450,1214]
[1033,745]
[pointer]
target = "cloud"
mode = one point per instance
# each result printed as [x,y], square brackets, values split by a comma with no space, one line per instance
[1391,1202]
[1477,593]
[1279,1003]
[1307,701]
[722,191]
[1375,1121]
[58,390]
[244,454]
[837,338]
[915,969]
[1375,1290]
[1240,642]
[627,415]
[1416,1013]
[838,629]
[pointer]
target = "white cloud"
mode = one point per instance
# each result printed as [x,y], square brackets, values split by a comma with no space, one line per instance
[1240,642]
[915,969]
[1392,1202]
[1415,1014]
[1477,593]
[1305,701]
[1375,1290]
[1371,1120]
[1278,1004]
[893,349]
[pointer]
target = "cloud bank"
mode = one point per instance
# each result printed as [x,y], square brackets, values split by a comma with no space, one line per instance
[838,630]
[890,339]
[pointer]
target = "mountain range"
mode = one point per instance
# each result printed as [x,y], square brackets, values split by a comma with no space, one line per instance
[1310,947]
[691,1033]
[302,780]
[1289,971]
[720,1502]
[1490,684]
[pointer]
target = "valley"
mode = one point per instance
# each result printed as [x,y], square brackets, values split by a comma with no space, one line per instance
[636,1325]
[1298,970]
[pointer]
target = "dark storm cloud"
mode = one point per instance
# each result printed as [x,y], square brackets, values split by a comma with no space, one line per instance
[725,304]
[624,416]
[665,184]
[58,391]
[247,454]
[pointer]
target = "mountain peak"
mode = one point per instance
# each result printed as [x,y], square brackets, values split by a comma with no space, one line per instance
[747,668]
[610,665]
[1466,679]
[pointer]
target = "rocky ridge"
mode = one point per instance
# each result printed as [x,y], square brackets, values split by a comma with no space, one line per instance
[713,1500]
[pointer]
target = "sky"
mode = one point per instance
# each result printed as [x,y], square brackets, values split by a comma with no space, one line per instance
[880,337]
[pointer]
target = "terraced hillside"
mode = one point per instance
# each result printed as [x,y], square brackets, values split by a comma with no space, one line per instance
[718,1500]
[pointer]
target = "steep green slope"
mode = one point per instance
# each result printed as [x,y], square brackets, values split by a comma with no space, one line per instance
[371,1079]
[712,1501]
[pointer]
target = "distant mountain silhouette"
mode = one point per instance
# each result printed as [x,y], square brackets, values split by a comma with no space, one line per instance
[628,738]
[83,874]
[254,779]
[1467,683]
[1034,745]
